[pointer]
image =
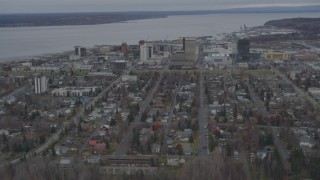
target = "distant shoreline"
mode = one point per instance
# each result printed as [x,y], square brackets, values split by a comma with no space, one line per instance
[311,25]
[96,18]
[19,50]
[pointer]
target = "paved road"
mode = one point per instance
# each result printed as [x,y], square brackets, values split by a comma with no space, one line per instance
[106,157]
[126,142]
[303,43]
[203,120]
[282,150]
[168,126]
[17,92]
[297,89]
[86,142]
[254,98]
[56,135]
[246,167]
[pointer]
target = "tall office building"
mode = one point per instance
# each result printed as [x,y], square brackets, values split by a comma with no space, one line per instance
[190,48]
[40,84]
[146,52]
[80,51]
[188,55]
[243,50]
[124,48]
[141,42]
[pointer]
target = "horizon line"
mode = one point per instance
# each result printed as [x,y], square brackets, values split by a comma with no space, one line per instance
[195,10]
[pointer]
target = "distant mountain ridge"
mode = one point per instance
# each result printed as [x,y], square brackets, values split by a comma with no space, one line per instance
[302,24]
[88,18]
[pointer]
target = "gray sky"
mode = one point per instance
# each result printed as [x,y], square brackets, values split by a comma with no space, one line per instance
[37,6]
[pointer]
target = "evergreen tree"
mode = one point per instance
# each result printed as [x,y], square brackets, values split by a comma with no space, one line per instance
[113,121]
[53,152]
[4,139]
[191,139]
[130,117]
[212,143]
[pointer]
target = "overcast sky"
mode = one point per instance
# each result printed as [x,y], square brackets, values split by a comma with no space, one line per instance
[37,6]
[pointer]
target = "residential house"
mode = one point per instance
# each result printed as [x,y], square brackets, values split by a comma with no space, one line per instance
[64,164]
[155,148]
[93,159]
[175,160]
[187,149]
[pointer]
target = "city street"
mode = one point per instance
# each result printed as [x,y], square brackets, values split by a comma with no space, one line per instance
[126,142]
[56,135]
[168,125]
[297,89]
[203,120]
[282,150]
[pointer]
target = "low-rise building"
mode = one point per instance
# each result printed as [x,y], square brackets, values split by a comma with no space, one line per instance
[93,159]
[104,75]
[243,65]
[45,68]
[218,60]
[119,65]
[129,165]
[129,78]
[83,67]
[175,160]
[64,164]
[277,55]
[73,91]
[155,148]
[315,92]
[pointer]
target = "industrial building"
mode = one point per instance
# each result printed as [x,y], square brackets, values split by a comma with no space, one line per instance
[217,56]
[218,60]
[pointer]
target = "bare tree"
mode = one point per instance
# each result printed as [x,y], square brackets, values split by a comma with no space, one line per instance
[215,167]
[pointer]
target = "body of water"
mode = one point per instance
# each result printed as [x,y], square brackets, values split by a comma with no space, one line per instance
[29,41]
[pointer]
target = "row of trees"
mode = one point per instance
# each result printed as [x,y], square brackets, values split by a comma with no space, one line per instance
[215,167]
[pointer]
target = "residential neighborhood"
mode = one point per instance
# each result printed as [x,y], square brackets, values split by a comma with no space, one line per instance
[159,106]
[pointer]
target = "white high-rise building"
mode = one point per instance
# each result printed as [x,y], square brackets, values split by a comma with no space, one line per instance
[40,84]
[146,52]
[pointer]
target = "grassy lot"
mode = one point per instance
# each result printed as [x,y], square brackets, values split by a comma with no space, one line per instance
[195,145]
[81,73]
[27,73]
[166,71]
[172,170]
[113,148]
[163,160]
[18,73]
[4,157]
[253,72]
